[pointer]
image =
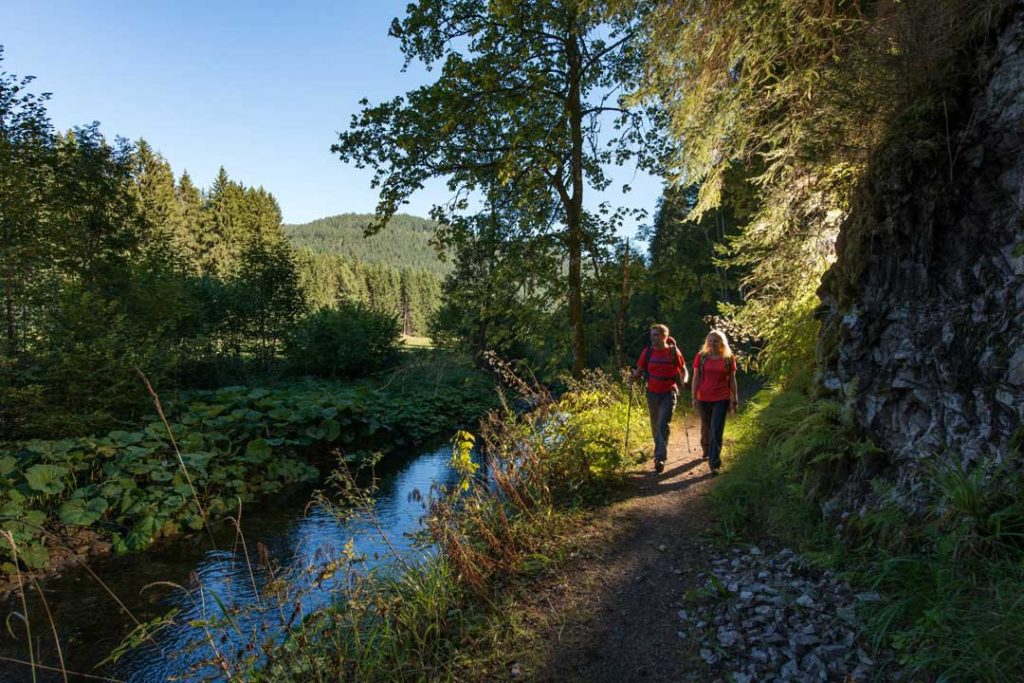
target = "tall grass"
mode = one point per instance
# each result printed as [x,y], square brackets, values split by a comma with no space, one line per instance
[435,615]
[951,577]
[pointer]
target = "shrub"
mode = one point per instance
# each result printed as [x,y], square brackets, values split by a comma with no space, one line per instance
[350,341]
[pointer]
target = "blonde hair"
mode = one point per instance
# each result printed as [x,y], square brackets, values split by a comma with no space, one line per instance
[726,351]
[663,328]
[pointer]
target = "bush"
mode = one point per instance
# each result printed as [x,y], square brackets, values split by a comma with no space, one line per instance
[350,341]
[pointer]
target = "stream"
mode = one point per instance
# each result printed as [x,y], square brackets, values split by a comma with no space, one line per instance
[299,539]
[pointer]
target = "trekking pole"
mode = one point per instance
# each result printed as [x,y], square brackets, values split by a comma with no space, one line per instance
[629,421]
[686,428]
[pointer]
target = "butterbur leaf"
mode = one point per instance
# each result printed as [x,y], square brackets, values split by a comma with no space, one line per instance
[7,465]
[45,478]
[125,438]
[258,450]
[82,512]
[34,555]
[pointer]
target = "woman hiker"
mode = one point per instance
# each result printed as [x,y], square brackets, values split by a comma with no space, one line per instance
[664,367]
[714,393]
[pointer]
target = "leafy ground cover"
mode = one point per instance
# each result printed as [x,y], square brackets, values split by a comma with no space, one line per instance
[436,616]
[236,444]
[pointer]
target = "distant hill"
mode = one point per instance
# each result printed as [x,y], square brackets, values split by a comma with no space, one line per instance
[404,243]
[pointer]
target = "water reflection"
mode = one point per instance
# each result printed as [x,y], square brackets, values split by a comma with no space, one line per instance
[298,542]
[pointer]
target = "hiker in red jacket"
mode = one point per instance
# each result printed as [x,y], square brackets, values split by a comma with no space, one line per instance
[665,369]
[714,393]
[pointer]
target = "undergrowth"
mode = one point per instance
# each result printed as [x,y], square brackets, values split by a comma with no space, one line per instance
[235,444]
[951,576]
[442,613]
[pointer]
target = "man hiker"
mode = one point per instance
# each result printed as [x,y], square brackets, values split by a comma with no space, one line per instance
[665,369]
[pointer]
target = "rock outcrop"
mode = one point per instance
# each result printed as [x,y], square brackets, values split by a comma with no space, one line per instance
[923,312]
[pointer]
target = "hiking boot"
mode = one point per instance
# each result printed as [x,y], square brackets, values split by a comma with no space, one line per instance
[659,467]
[714,471]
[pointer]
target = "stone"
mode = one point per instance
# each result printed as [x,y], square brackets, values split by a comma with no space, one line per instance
[727,638]
[868,597]
[831,653]
[805,601]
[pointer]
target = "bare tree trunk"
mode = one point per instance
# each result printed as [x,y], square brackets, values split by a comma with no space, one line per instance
[620,326]
[574,208]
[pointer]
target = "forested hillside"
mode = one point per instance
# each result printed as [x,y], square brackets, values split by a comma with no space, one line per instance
[406,243]
[397,272]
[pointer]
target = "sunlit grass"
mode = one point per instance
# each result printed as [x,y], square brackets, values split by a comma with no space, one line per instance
[417,342]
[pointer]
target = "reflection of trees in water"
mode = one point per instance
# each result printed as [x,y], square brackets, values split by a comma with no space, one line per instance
[295,571]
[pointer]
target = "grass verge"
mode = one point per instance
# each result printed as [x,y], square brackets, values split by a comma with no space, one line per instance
[951,576]
[451,614]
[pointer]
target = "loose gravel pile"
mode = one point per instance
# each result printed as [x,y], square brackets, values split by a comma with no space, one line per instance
[772,617]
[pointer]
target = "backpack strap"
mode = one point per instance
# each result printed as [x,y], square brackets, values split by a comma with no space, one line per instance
[729,362]
[647,359]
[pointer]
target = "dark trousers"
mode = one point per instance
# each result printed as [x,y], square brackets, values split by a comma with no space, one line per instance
[660,406]
[712,427]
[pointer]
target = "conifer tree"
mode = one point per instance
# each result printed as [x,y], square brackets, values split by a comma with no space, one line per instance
[190,211]
[166,238]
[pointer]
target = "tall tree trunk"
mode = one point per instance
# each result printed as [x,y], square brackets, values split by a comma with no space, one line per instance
[574,207]
[620,325]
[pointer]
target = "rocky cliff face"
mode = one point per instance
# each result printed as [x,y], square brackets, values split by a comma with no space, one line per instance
[923,312]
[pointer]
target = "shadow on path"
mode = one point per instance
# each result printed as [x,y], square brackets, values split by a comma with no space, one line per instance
[618,620]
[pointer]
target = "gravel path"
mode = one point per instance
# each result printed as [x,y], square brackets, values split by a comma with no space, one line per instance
[646,596]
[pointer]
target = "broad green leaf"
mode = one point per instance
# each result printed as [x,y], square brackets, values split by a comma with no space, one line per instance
[34,555]
[82,512]
[193,441]
[333,429]
[214,410]
[258,450]
[7,465]
[46,478]
[126,438]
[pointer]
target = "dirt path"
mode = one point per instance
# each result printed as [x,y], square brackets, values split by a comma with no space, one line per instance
[615,613]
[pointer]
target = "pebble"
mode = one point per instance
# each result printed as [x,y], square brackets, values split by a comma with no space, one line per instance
[779,619]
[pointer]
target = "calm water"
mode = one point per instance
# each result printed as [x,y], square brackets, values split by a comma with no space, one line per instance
[299,540]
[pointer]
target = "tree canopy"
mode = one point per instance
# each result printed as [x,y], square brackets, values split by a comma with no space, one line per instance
[516,121]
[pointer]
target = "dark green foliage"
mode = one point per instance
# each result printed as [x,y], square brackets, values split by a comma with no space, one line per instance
[347,341]
[408,294]
[408,242]
[238,442]
[500,297]
[267,296]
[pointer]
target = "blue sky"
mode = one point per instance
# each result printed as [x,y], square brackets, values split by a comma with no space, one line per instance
[261,89]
